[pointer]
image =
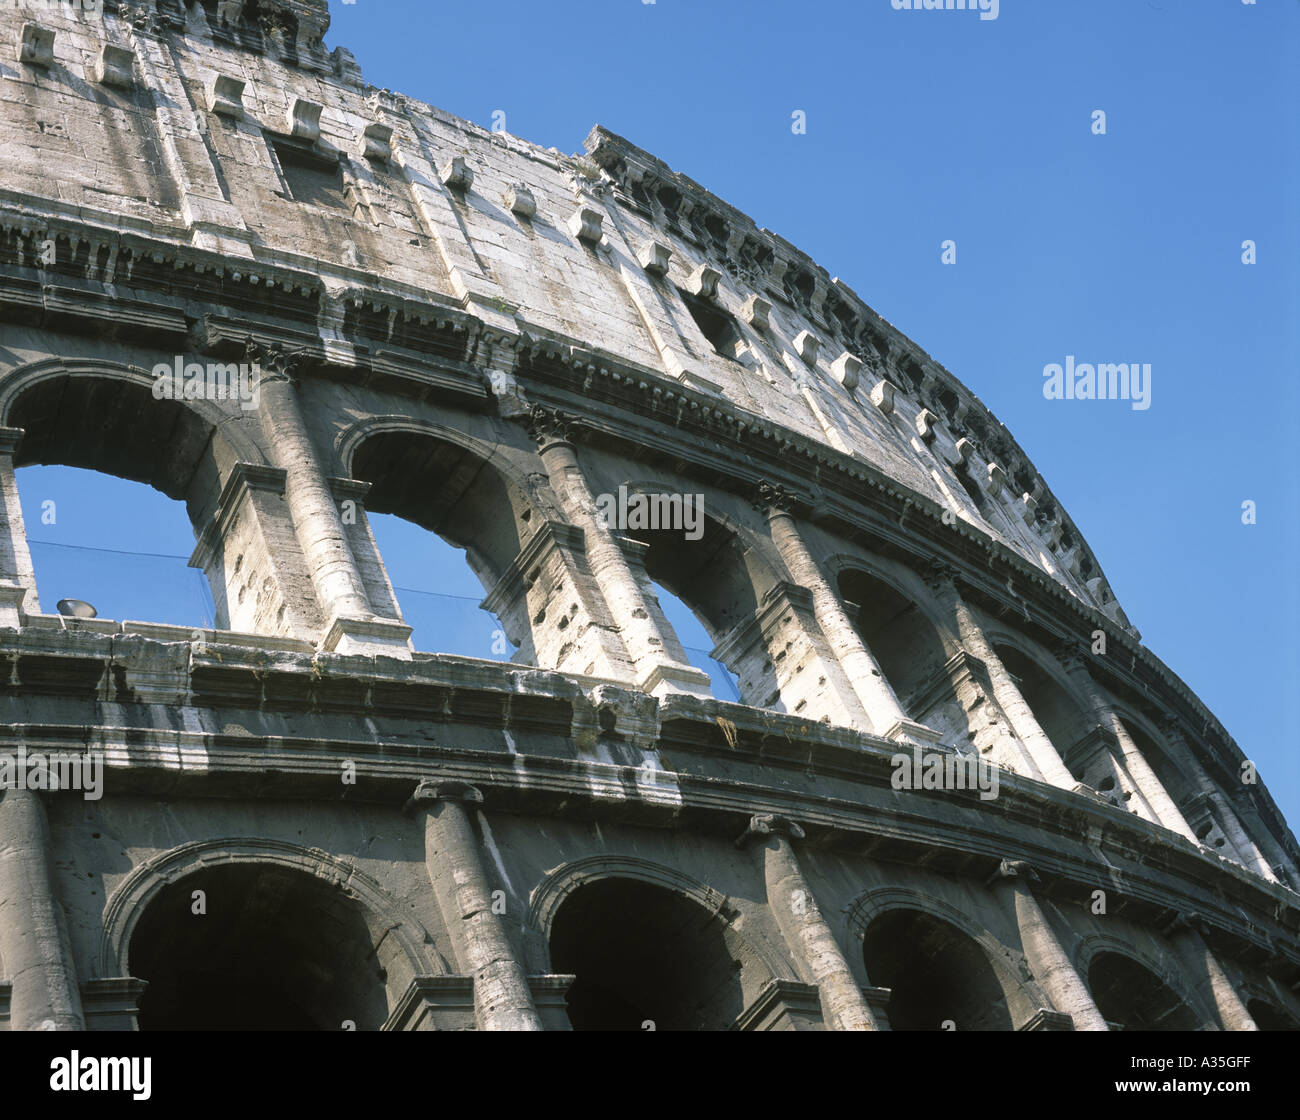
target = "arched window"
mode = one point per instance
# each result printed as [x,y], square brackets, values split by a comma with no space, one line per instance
[939,978]
[121,546]
[1065,723]
[909,650]
[440,596]
[714,587]
[450,528]
[1132,998]
[695,640]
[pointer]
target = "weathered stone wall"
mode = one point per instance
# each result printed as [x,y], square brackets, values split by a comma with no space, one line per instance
[484,338]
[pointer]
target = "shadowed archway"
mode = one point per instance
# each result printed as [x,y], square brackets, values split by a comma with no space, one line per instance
[1132,998]
[263,947]
[644,953]
[939,977]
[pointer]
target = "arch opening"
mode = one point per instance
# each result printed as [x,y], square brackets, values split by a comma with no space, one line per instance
[103,418]
[1065,723]
[909,649]
[722,584]
[471,516]
[275,949]
[1132,998]
[1270,1018]
[697,642]
[646,953]
[936,975]
[121,546]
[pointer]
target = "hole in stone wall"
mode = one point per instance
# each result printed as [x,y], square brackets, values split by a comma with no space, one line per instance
[311,178]
[439,593]
[902,639]
[717,326]
[695,640]
[1055,710]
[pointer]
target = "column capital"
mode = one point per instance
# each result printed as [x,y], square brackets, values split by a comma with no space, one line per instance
[429,792]
[273,362]
[770,498]
[1171,727]
[1011,869]
[550,426]
[1182,921]
[941,576]
[769,824]
[10,438]
[1066,651]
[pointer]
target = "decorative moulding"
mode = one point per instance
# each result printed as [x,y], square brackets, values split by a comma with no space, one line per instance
[226,96]
[376,142]
[37,45]
[521,201]
[115,66]
[304,120]
[586,223]
[654,257]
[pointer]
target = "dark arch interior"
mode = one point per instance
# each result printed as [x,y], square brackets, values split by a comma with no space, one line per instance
[642,952]
[1269,1018]
[902,639]
[277,949]
[935,974]
[1131,998]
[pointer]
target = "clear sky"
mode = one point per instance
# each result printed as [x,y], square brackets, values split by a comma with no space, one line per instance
[929,126]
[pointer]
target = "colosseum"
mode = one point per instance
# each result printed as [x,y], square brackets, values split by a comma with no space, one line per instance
[956,791]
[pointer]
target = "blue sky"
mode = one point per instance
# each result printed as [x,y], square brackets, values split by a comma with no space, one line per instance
[926,126]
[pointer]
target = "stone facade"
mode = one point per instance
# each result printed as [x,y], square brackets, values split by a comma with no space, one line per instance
[307,823]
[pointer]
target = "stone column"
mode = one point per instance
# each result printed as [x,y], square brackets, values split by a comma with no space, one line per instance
[17,575]
[33,941]
[1048,960]
[1221,807]
[660,662]
[1186,932]
[1281,862]
[805,931]
[502,997]
[863,671]
[351,625]
[1043,755]
[1131,757]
